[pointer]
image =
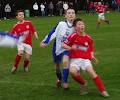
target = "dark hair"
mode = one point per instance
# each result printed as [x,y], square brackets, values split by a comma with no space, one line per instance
[69,9]
[76,20]
[18,12]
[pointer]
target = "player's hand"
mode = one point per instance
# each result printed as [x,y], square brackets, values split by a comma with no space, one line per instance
[95,60]
[43,45]
[74,47]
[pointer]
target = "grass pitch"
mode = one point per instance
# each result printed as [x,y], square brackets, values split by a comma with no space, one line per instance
[39,83]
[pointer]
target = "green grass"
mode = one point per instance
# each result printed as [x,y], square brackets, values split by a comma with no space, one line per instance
[39,83]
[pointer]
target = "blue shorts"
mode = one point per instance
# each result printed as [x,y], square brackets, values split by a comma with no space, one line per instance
[58,58]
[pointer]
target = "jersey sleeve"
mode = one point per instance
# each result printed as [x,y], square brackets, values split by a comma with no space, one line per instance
[51,35]
[14,32]
[33,29]
[69,40]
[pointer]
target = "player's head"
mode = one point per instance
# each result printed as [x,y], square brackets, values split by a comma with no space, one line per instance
[20,15]
[99,3]
[79,25]
[70,14]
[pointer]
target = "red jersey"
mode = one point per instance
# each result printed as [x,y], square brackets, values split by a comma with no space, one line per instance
[101,8]
[91,6]
[25,27]
[118,2]
[84,45]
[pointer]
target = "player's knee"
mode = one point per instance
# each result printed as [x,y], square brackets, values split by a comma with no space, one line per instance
[20,53]
[94,75]
[66,63]
[27,57]
[92,72]
[73,70]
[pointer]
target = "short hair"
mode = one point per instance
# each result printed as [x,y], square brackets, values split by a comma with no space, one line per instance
[69,9]
[18,12]
[76,20]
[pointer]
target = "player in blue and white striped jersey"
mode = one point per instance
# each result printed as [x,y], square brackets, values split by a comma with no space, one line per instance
[60,33]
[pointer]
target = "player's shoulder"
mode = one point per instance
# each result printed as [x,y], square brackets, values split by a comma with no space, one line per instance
[88,36]
[61,22]
[73,35]
[15,25]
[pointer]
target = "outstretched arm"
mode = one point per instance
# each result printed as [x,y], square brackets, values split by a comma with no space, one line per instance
[65,46]
[36,35]
[48,38]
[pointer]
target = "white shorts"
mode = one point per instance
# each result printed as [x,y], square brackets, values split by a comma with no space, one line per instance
[80,63]
[25,47]
[101,16]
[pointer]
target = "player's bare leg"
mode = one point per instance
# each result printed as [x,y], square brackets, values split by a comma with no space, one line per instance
[78,78]
[98,81]
[26,62]
[107,21]
[98,23]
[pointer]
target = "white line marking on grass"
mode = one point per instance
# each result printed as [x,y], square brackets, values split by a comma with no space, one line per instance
[27,83]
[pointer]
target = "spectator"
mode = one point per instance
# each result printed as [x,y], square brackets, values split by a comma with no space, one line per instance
[42,7]
[51,7]
[0,11]
[35,9]
[65,6]
[118,5]
[46,8]
[71,5]
[7,11]
[92,8]
[14,9]
[59,8]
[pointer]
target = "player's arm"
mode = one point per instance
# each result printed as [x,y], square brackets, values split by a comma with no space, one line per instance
[33,29]
[92,49]
[94,59]
[36,35]
[68,47]
[67,44]
[48,38]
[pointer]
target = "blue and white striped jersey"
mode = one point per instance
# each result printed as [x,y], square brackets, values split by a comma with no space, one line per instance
[59,33]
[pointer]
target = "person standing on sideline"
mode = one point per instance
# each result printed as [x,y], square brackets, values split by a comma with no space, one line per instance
[51,8]
[65,6]
[42,7]
[35,9]
[7,11]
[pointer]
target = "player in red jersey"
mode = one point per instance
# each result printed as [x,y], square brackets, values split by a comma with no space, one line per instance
[100,9]
[25,30]
[81,48]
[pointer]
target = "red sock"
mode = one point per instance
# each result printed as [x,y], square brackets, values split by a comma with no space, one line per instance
[26,63]
[98,82]
[17,60]
[79,79]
